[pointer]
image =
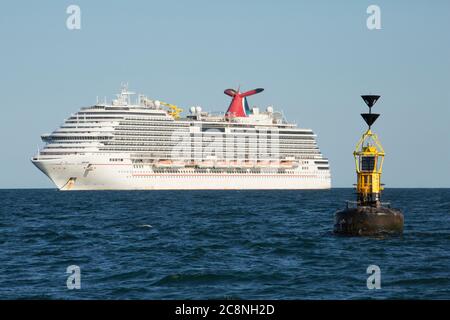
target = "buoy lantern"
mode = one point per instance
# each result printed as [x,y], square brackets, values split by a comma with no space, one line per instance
[368,215]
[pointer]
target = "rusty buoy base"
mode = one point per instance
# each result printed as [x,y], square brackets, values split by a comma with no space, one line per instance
[368,221]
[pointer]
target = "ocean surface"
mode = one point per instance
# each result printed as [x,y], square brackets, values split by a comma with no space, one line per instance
[216,245]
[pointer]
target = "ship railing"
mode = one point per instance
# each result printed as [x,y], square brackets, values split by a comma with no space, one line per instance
[355,204]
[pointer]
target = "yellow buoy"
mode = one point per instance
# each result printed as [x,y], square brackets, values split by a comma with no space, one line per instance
[369,216]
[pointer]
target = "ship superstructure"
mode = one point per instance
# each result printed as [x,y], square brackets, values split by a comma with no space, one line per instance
[146,144]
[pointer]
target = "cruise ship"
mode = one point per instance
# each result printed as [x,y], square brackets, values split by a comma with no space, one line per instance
[137,143]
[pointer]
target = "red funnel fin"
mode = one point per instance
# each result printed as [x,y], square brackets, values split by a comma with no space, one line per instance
[236,108]
[251,92]
[230,92]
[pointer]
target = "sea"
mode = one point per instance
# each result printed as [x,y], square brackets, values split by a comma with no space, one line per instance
[217,245]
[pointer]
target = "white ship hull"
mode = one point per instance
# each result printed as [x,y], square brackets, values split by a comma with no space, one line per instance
[143,146]
[103,176]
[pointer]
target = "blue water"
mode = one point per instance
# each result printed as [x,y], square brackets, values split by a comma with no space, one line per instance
[216,245]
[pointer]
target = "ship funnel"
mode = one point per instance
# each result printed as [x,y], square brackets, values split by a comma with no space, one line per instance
[238,107]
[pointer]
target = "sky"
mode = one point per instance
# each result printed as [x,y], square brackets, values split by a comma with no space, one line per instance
[314,59]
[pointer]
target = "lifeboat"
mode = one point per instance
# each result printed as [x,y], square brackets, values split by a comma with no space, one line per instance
[286,164]
[206,164]
[247,164]
[221,164]
[262,164]
[164,163]
[274,164]
[178,164]
[234,164]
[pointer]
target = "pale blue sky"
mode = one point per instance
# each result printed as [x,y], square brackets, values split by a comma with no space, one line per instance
[314,58]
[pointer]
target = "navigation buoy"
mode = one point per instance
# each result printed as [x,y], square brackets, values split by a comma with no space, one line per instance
[367,215]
